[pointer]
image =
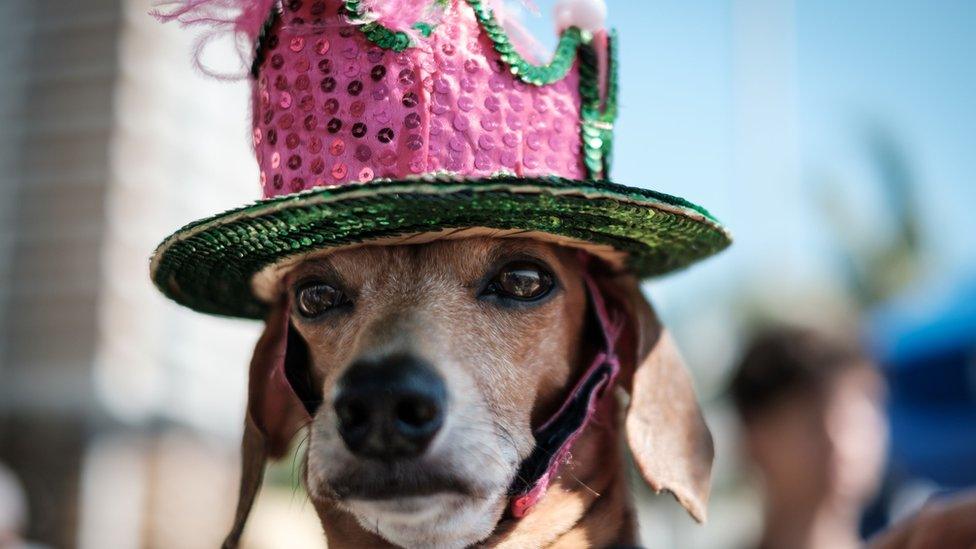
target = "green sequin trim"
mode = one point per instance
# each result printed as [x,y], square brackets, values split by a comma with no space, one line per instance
[385,37]
[597,116]
[378,34]
[208,265]
[539,75]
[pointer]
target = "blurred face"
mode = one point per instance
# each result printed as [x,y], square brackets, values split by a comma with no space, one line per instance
[433,361]
[812,447]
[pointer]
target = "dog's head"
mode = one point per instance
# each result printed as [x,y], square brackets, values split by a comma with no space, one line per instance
[423,370]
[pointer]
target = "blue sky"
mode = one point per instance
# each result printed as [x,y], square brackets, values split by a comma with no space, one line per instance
[745,107]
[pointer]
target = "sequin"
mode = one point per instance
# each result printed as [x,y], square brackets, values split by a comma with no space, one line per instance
[513,121]
[354,88]
[358,129]
[414,142]
[461,123]
[492,103]
[286,121]
[407,78]
[331,105]
[327,84]
[456,144]
[285,101]
[317,166]
[277,61]
[482,161]
[337,147]
[375,55]
[292,141]
[388,158]
[496,83]
[351,52]
[272,136]
[302,82]
[385,135]
[257,136]
[275,160]
[365,174]
[311,121]
[441,85]
[322,48]
[314,144]
[490,123]
[281,82]
[471,65]
[486,142]
[357,108]
[363,153]
[339,170]
[334,125]
[297,184]
[533,142]
[325,65]
[294,162]
[510,139]
[412,121]
[277,181]
[410,100]
[465,103]
[380,92]
[377,73]
[296,44]
[307,103]
[516,102]
[382,115]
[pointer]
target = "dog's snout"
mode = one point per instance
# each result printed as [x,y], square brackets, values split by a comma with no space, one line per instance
[390,409]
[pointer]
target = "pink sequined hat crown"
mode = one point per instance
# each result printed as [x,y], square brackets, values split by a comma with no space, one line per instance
[380,120]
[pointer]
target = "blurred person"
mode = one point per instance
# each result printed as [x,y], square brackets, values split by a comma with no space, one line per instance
[13,512]
[814,428]
[941,523]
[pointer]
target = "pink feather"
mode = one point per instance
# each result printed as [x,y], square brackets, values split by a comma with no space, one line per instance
[242,18]
[401,15]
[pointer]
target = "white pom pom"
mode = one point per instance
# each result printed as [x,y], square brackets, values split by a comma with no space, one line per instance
[588,15]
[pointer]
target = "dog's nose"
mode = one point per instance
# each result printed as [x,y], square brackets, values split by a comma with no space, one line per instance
[390,409]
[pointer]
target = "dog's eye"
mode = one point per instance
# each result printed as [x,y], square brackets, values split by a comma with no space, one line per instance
[522,281]
[316,298]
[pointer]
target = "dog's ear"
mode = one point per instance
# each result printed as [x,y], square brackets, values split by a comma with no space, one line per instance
[666,432]
[274,411]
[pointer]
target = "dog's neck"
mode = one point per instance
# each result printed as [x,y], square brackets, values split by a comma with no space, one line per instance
[588,504]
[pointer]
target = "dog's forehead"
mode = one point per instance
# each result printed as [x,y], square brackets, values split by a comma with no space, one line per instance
[465,259]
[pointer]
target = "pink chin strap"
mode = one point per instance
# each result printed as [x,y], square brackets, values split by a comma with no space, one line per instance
[556,436]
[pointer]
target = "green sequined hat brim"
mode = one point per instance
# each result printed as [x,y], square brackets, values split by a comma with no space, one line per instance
[208,265]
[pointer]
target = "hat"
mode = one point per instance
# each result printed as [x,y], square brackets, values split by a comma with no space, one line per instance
[404,121]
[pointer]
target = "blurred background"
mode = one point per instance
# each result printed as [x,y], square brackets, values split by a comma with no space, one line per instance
[835,139]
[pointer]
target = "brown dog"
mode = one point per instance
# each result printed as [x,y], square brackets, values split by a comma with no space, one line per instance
[424,373]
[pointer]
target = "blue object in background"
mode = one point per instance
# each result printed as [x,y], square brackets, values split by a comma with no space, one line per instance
[927,348]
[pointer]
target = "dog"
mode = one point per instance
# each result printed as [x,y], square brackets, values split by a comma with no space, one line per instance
[424,375]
